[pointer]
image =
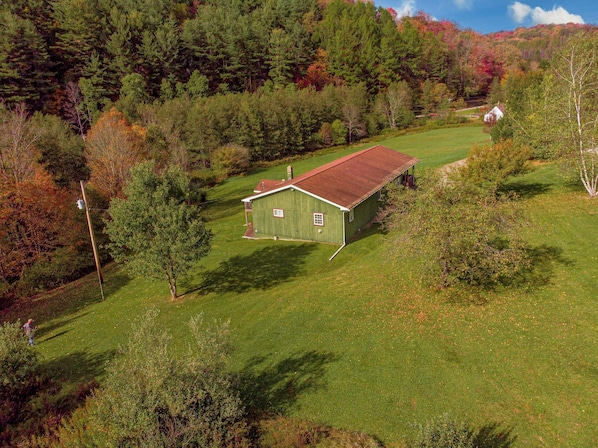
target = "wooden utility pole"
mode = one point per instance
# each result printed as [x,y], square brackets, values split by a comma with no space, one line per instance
[93,241]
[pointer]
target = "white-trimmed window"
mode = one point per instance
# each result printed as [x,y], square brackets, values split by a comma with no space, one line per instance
[351,215]
[278,213]
[318,219]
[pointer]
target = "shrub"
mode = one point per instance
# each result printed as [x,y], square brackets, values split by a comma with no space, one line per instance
[204,178]
[153,398]
[18,362]
[18,373]
[66,264]
[492,166]
[230,160]
[443,432]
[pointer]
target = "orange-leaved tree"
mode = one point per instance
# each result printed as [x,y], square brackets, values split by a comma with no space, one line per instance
[112,147]
[38,222]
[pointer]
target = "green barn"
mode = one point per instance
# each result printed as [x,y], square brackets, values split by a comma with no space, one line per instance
[329,204]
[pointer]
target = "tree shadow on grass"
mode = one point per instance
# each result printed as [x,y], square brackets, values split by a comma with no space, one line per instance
[525,190]
[541,268]
[67,299]
[223,208]
[47,331]
[540,271]
[268,387]
[493,435]
[261,270]
[78,367]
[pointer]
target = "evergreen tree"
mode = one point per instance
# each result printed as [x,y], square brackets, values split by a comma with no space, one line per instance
[81,33]
[61,152]
[280,57]
[96,87]
[25,66]
[350,34]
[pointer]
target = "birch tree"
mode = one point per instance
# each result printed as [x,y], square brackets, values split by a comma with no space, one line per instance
[575,86]
[395,104]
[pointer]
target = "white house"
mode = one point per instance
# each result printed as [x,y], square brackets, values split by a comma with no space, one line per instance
[495,114]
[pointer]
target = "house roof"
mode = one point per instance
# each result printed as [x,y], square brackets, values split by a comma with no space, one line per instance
[347,181]
[496,113]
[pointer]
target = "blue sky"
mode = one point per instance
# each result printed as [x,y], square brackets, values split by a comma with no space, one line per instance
[486,16]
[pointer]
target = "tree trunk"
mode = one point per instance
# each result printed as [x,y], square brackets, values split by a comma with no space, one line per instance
[171,284]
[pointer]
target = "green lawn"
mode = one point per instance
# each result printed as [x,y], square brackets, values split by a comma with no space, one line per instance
[358,342]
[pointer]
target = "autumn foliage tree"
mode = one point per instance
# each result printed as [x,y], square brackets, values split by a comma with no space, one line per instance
[39,232]
[40,235]
[113,146]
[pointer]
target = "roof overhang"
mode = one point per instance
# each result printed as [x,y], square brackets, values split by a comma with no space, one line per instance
[294,187]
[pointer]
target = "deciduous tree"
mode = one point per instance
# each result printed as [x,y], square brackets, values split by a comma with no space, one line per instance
[490,166]
[36,220]
[463,234]
[153,397]
[355,103]
[112,148]
[574,88]
[230,160]
[395,104]
[157,231]
[60,150]
[18,153]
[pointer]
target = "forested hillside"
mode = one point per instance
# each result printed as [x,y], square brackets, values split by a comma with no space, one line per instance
[89,88]
[539,43]
[207,47]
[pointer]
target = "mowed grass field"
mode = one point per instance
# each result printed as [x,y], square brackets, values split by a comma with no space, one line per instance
[359,342]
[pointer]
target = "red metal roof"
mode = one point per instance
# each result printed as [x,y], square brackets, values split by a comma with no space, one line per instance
[347,181]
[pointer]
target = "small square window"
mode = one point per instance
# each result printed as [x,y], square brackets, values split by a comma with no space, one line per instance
[318,219]
[351,215]
[278,212]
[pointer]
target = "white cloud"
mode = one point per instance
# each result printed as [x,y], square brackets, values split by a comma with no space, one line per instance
[407,8]
[555,15]
[463,4]
[520,11]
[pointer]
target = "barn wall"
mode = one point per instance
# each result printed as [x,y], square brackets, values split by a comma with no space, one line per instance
[364,213]
[297,222]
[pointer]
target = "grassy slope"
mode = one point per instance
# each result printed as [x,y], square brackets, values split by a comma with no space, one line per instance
[358,342]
